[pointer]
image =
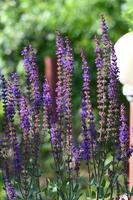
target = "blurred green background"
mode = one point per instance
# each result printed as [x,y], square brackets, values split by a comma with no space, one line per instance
[35,21]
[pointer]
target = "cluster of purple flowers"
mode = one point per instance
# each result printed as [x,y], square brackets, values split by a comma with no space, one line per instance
[32,75]
[47,103]
[29,105]
[87,118]
[9,189]
[22,149]
[125,151]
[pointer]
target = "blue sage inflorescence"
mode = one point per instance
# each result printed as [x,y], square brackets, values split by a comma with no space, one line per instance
[125,151]
[29,56]
[31,121]
[9,189]
[87,118]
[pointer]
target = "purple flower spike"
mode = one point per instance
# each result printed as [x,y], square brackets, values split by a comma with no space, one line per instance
[68,59]
[113,75]
[87,118]
[67,92]
[47,99]
[10,103]
[55,141]
[102,80]
[104,31]
[60,49]
[113,109]
[98,60]
[75,157]
[9,108]
[85,147]
[8,98]
[123,134]
[25,118]
[9,189]
[16,87]
[86,90]
[4,92]
[47,105]
[86,76]
[55,136]
[31,68]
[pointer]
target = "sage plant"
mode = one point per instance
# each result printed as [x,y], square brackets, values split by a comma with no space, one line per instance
[102,151]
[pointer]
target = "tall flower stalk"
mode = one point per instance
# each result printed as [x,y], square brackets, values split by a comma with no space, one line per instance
[87,117]
[102,77]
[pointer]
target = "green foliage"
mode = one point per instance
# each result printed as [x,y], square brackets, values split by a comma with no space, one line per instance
[128,14]
[35,22]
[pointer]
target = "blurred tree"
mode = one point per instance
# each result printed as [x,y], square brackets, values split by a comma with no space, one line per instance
[128,13]
[35,21]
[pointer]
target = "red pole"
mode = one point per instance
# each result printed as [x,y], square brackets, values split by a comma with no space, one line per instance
[131,143]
